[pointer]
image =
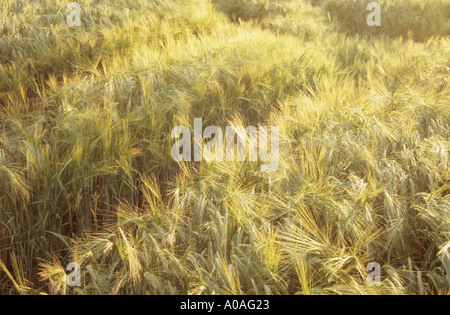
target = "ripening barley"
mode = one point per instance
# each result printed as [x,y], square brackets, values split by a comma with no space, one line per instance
[358,117]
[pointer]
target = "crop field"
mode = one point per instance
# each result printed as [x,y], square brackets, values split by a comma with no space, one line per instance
[353,198]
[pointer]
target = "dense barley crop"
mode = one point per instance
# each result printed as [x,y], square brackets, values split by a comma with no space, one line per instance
[87,176]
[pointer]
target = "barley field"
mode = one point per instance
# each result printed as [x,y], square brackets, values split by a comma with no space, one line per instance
[87,176]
